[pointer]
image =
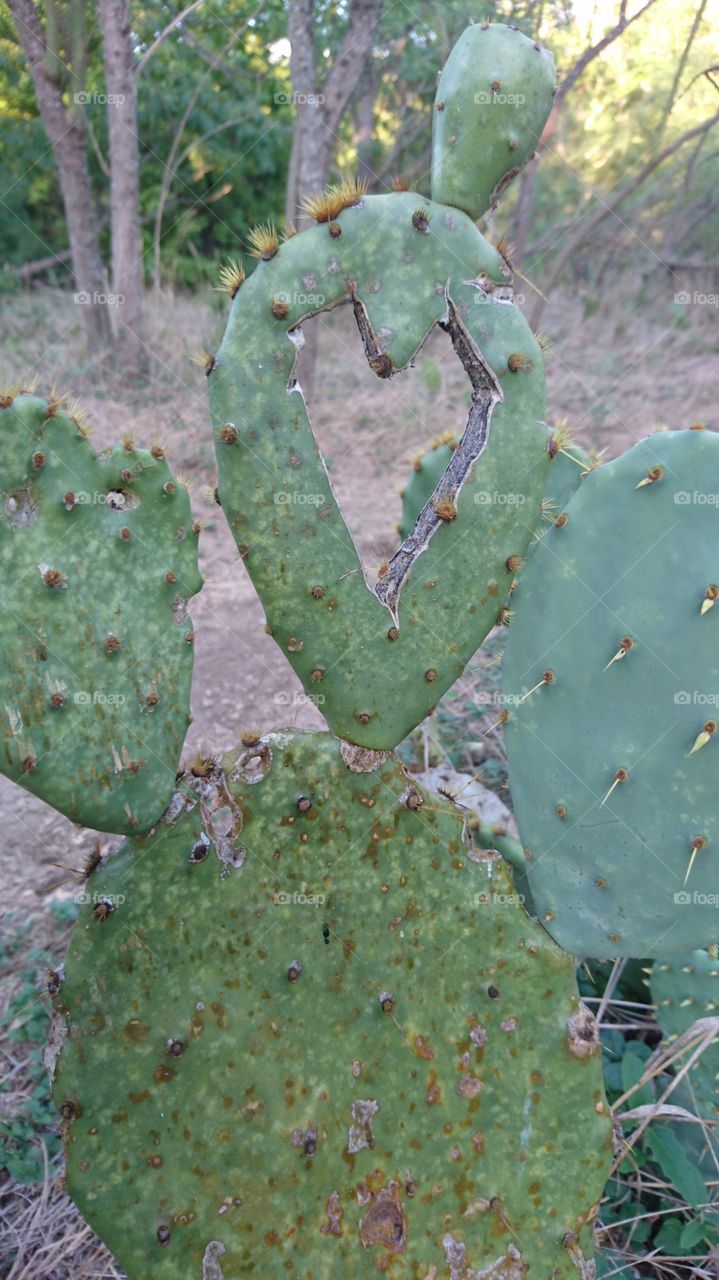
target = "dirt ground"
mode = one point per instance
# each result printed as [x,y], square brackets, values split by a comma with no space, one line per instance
[617,370]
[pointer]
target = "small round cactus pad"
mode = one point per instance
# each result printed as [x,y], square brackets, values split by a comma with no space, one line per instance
[493,97]
[309,1034]
[611,681]
[98,557]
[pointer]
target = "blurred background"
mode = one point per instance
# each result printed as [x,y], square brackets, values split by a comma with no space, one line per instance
[139,146]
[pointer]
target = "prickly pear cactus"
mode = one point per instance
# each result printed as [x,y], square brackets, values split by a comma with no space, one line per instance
[610,680]
[98,556]
[381,659]
[488,837]
[569,464]
[384,655]
[305,1038]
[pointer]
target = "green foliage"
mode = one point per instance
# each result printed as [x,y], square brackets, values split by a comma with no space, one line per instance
[658,1199]
[234,152]
[30,1124]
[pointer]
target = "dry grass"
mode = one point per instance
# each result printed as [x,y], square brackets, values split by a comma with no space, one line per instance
[636,363]
[43,1237]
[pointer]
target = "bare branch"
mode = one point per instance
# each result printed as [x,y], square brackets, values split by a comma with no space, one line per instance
[172,24]
[593,51]
[608,206]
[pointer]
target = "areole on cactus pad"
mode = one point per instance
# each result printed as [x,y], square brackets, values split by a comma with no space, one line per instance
[306,1040]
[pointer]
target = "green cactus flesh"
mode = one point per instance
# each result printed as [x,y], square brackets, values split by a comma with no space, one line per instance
[493,98]
[610,676]
[426,475]
[315,1036]
[488,837]
[98,557]
[569,462]
[379,659]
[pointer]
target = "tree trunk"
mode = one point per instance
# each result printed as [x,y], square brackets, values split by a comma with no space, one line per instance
[319,108]
[525,210]
[364,129]
[67,138]
[124,182]
[307,168]
[318,114]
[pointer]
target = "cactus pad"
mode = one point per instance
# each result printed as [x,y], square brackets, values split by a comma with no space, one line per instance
[568,464]
[305,1040]
[380,659]
[98,557]
[611,681]
[686,990]
[493,98]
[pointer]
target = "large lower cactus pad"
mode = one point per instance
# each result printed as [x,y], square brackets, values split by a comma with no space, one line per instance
[309,1035]
[611,682]
[98,557]
[380,658]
